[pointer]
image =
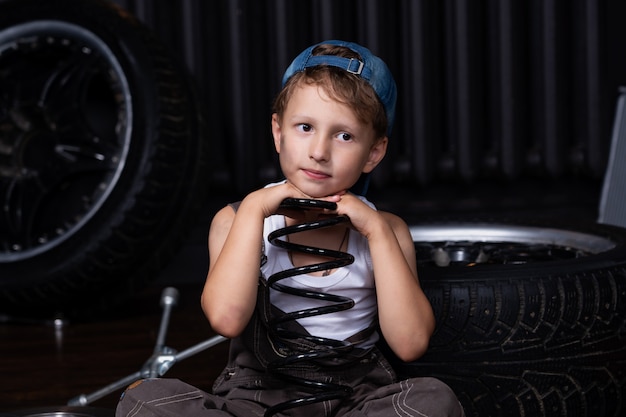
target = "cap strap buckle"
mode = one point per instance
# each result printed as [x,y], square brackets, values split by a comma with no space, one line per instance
[355,66]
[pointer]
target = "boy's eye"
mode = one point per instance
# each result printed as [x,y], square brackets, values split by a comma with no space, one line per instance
[345,136]
[304,127]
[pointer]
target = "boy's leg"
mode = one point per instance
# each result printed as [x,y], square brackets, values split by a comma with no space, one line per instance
[164,397]
[418,397]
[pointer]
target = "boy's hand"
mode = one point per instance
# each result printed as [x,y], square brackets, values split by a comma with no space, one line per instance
[270,200]
[360,214]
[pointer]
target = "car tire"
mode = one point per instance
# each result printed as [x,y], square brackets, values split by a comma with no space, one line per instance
[531,318]
[102,157]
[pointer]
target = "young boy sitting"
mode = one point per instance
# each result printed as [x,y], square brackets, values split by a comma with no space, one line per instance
[330,124]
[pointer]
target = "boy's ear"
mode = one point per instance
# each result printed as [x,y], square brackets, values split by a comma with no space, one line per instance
[276,132]
[377,153]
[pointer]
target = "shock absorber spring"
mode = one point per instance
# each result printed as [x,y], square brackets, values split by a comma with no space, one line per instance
[324,347]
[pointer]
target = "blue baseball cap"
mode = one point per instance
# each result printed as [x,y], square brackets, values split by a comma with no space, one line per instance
[371,68]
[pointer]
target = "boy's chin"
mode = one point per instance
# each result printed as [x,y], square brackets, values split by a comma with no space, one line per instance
[312,193]
[318,196]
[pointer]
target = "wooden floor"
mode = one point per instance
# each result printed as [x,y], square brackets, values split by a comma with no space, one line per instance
[43,365]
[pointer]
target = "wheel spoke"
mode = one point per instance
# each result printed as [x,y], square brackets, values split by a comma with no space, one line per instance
[21,200]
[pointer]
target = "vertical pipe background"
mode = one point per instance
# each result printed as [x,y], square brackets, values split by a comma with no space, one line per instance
[503,89]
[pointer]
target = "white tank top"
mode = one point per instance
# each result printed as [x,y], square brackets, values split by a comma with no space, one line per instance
[355,281]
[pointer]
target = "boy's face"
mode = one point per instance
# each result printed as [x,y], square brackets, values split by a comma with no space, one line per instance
[323,147]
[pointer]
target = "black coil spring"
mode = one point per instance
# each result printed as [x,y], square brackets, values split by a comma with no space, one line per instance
[327,348]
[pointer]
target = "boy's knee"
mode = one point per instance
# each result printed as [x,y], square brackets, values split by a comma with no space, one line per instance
[444,397]
[159,397]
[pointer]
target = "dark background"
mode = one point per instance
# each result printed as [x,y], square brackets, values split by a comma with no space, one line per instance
[489,91]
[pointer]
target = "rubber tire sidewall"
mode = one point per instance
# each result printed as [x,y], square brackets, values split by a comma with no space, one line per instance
[539,339]
[127,240]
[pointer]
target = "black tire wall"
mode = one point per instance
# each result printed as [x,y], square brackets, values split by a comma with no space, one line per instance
[536,339]
[156,194]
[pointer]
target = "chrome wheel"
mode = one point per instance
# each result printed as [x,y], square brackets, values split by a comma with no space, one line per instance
[66,123]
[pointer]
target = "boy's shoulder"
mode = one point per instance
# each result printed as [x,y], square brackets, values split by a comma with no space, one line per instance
[223,218]
[396,222]
[392,217]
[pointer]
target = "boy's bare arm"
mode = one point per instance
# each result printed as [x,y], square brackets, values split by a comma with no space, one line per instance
[405,314]
[229,293]
[406,317]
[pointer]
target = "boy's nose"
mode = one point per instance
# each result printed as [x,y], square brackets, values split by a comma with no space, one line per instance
[319,148]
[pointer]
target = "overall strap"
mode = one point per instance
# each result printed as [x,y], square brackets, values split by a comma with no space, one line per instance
[235,205]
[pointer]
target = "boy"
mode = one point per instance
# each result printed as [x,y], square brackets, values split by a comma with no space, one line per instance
[330,126]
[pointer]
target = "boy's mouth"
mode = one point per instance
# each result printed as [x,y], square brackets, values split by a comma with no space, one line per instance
[318,175]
